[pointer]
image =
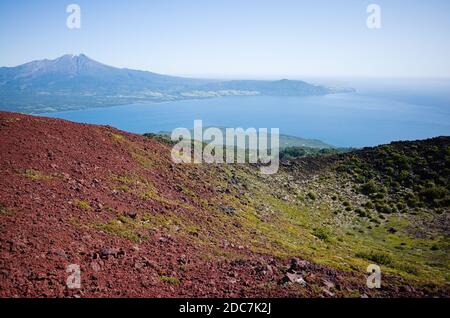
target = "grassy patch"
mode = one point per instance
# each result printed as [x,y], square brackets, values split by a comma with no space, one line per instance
[36,175]
[82,204]
[143,189]
[117,137]
[136,229]
[171,280]
[142,159]
[129,179]
[123,227]
[5,211]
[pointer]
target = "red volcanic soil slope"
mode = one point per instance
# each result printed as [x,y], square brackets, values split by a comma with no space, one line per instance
[137,225]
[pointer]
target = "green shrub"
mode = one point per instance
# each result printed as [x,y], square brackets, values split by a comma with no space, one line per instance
[322,234]
[369,187]
[433,195]
[359,178]
[369,205]
[376,257]
[434,247]
[361,212]
[408,269]
[161,138]
[379,196]
[390,171]
[383,208]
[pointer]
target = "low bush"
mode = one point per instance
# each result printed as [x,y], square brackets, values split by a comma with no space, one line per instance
[376,257]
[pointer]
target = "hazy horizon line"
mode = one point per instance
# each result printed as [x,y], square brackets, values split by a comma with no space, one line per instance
[240,76]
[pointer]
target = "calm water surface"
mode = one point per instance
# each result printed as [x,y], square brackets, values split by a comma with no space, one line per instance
[374,115]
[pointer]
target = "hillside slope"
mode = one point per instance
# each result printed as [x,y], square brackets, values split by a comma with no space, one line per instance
[140,226]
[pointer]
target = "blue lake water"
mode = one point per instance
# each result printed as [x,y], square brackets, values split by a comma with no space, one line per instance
[374,115]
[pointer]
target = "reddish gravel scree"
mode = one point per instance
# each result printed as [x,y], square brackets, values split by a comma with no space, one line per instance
[137,224]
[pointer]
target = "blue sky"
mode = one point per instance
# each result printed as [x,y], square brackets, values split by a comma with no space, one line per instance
[236,38]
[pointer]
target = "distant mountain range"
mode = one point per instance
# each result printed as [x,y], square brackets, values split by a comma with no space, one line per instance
[76,81]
